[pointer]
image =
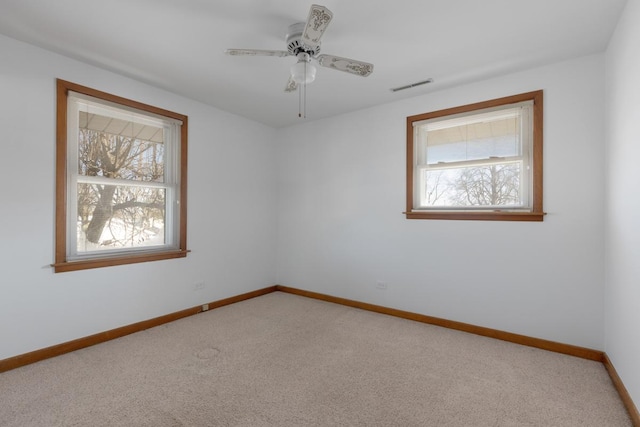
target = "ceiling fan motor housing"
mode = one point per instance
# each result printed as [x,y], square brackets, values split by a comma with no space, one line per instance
[294,41]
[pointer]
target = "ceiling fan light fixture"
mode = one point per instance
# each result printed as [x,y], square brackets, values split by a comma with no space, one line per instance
[303,72]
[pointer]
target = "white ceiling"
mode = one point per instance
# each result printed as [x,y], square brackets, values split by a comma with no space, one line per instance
[179,45]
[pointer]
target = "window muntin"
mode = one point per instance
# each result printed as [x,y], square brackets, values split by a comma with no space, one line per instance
[481,161]
[121,181]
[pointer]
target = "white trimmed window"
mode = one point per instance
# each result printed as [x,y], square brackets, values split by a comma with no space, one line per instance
[481,161]
[123,181]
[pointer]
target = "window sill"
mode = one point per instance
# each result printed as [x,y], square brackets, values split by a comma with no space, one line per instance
[477,216]
[62,267]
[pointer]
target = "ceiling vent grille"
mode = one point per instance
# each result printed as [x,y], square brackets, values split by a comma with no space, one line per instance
[424,82]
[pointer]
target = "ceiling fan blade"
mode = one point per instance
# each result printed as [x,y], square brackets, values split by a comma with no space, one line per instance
[352,66]
[291,85]
[318,20]
[256,52]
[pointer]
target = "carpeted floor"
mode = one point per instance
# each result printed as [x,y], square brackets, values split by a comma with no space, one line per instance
[285,360]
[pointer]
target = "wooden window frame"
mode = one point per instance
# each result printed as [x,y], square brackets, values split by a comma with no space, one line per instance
[62,264]
[536,212]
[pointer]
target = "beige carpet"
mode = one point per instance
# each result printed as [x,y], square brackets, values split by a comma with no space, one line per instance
[285,360]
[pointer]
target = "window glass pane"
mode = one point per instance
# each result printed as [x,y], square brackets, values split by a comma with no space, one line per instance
[473,186]
[115,148]
[474,141]
[112,217]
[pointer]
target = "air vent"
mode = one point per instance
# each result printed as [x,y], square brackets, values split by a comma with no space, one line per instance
[396,89]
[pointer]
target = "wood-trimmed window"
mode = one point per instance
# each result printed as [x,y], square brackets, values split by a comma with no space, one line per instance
[480,161]
[121,180]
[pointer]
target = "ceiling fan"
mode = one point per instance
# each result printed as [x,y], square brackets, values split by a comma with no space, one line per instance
[303,42]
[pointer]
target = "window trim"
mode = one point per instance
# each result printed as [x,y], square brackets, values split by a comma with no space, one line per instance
[62,264]
[535,214]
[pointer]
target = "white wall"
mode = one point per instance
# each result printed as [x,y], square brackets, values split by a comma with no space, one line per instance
[623,200]
[341,186]
[231,212]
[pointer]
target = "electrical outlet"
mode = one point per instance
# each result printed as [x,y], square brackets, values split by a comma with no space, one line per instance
[205,307]
[381,286]
[198,286]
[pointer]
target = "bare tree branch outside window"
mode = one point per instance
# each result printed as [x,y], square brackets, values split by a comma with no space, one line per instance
[120,215]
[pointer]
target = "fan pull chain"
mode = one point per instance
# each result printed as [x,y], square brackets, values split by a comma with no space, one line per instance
[304,103]
[300,101]
[302,97]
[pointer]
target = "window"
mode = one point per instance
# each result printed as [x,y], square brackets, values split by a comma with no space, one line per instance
[121,169]
[479,162]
